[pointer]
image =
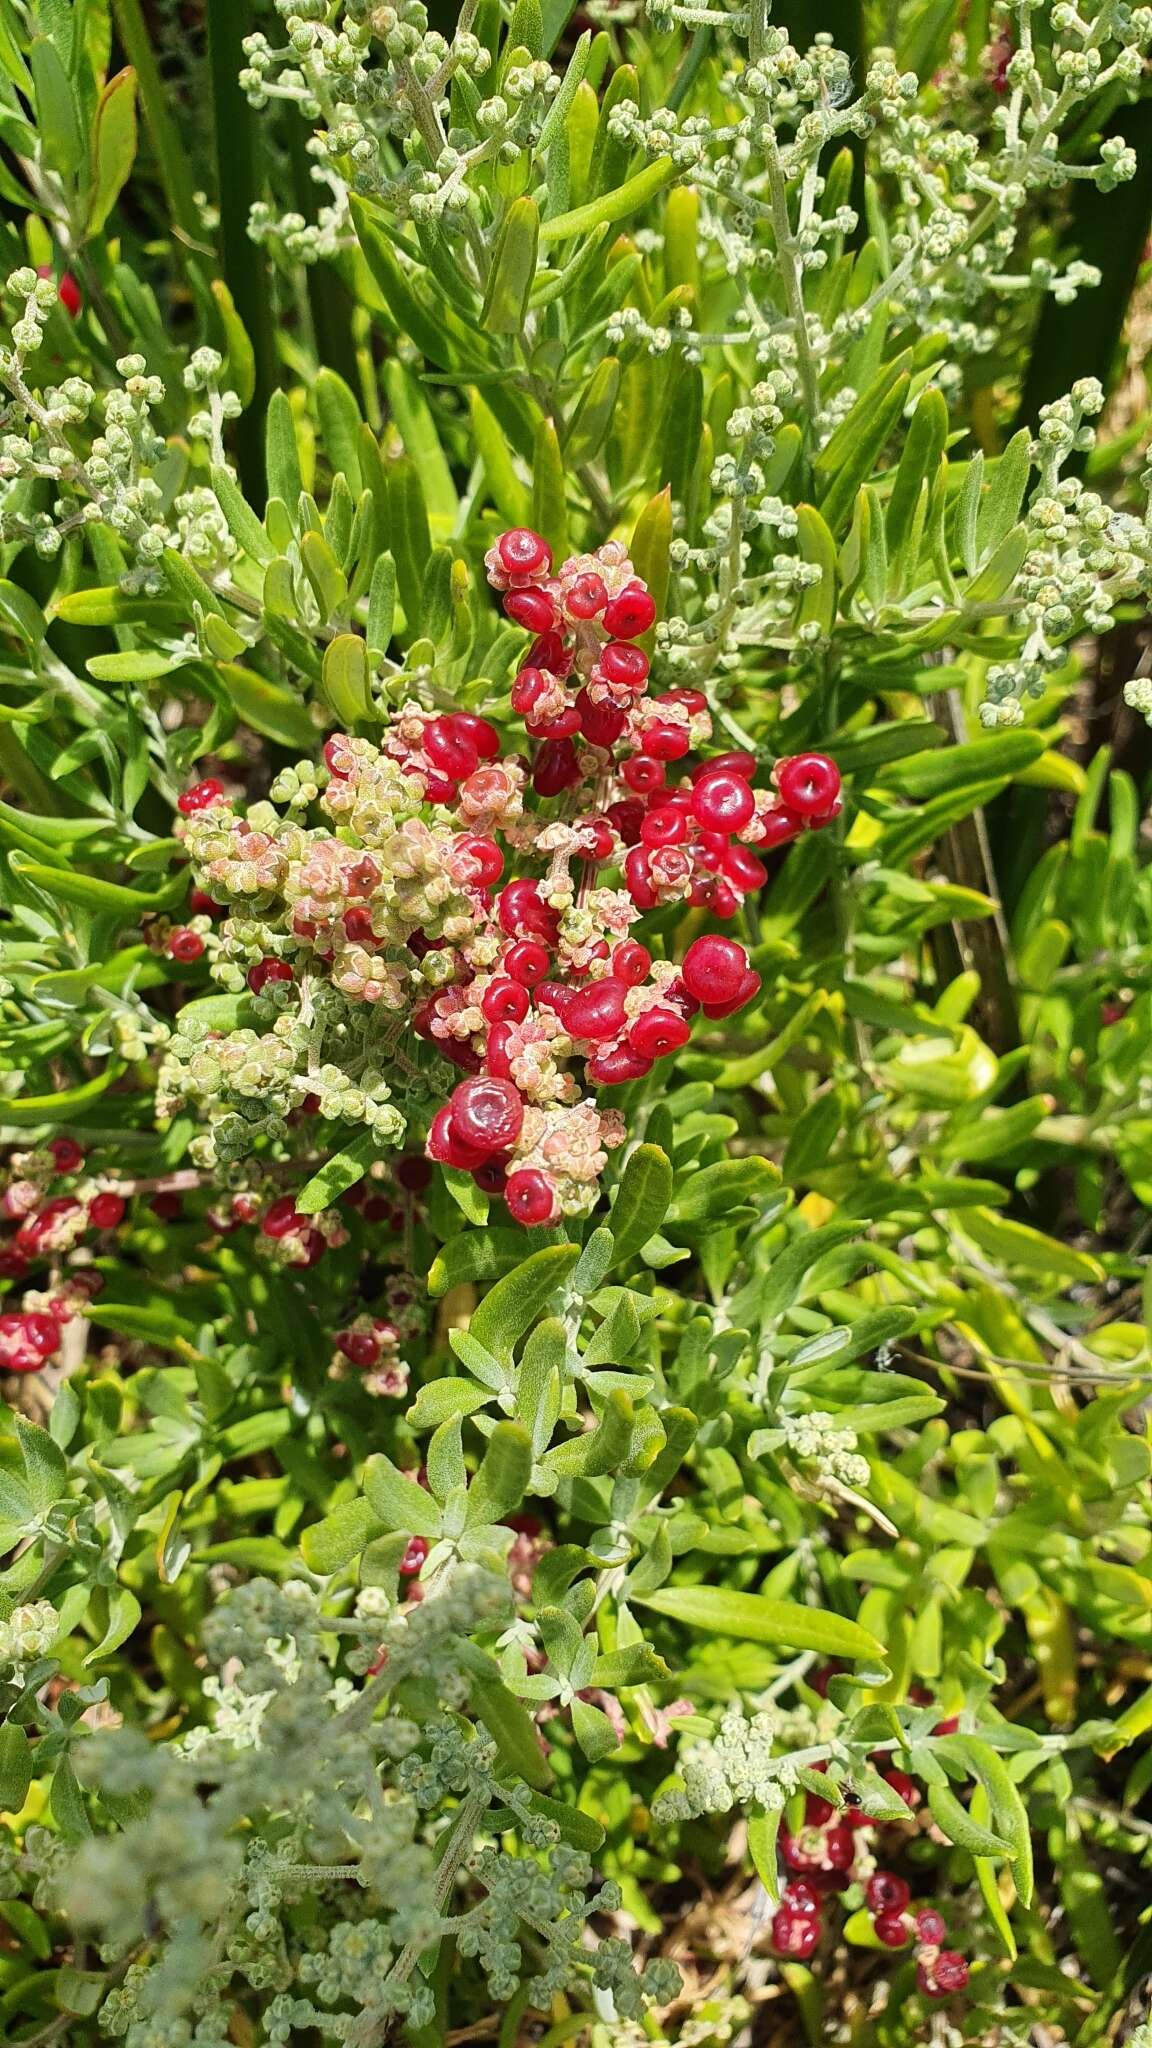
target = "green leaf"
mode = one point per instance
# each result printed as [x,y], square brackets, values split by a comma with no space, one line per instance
[123,1617]
[506,1719]
[266,707]
[57,113]
[399,1502]
[513,270]
[510,1308]
[612,206]
[550,490]
[16,1765]
[957,1824]
[90,892]
[1008,1810]
[642,1200]
[763,1829]
[752,1618]
[339,1172]
[54,1109]
[344,678]
[329,1545]
[502,1480]
[730,1184]
[340,424]
[281,451]
[593,1731]
[816,545]
[113,146]
[1018,1244]
[44,1463]
[67,1800]
[474,1256]
[242,522]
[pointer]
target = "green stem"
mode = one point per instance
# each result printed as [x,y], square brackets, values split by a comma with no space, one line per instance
[245,268]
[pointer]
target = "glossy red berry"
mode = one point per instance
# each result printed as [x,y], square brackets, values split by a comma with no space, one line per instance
[638,877]
[487,1113]
[533,609]
[524,553]
[530,1197]
[801,1896]
[527,962]
[904,1786]
[631,962]
[601,721]
[359,1347]
[738,762]
[505,1001]
[485,853]
[886,1893]
[479,733]
[555,768]
[587,596]
[447,1146]
[281,1218]
[201,796]
[66,1153]
[777,827]
[741,868]
[664,827]
[931,1926]
[840,1846]
[412,1561]
[596,1012]
[630,614]
[626,817]
[643,774]
[184,944]
[891,1929]
[658,1032]
[603,839]
[492,1177]
[106,1211]
[722,801]
[449,750]
[809,784]
[666,742]
[714,969]
[530,685]
[67,291]
[794,1934]
[620,1063]
[624,664]
[265,971]
[523,912]
[42,1332]
[549,652]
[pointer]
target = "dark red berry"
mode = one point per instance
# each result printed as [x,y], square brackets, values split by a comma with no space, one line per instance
[801,1896]
[886,1893]
[523,912]
[166,1204]
[413,1559]
[891,1929]
[449,750]
[265,971]
[555,768]
[738,762]
[67,1154]
[601,721]
[794,1934]
[447,1146]
[359,1347]
[950,1971]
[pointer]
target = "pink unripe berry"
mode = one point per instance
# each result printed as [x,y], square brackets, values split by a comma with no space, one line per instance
[530,1197]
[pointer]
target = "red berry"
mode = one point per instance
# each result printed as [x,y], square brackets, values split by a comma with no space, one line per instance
[487,1113]
[638,876]
[523,912]
[817,1811]
[479,732]
[527,961]
[413,1558]
[265,971]
[67,1154]
[360,1347]
[106,1211]
[931,1926]
[722,801]
[950,1971]
[737,763]
[891,1929]
[530,1197]
[449,750]
[563,726]
[666,742]
[596,1012]
[505,1002]
[794,1934]
[492,1177]
[184,944]
[741,867]
[486,854]
[524,553]
[777,827]
[280,1218]
[749,987]
[447,1146]
[556,767]
[948,1726]
[532,609]
[886,1893]
[358,925]
[42,1332]
[665,827]
[601,722]
[657,1033]
[623,664]
[631,962]
[603,839]
[413,1173]
[714,969]
[587,596]
[203,905]
[619,1064]
[643,774]
[630,614]
[550,652]
[201,796]
[530,685]
[809,784]
[166,1205]
[840,1846]
[626,816]
[801,1896]
[904,1786]
[67,291]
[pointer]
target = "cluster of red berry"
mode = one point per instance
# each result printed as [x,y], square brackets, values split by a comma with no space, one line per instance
[48,1225]
[828,1854]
